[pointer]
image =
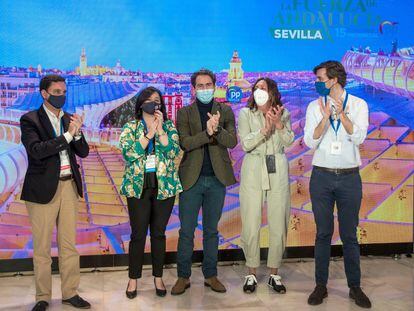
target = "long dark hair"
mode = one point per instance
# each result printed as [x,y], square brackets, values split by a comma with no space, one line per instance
[144,95]
[274,94]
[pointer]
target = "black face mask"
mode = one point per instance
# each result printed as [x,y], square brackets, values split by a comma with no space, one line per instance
[150,107]
[57,101]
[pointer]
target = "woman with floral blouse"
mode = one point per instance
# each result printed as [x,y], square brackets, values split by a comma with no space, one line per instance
[149,146]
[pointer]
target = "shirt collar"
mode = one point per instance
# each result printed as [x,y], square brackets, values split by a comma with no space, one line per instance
[50,114]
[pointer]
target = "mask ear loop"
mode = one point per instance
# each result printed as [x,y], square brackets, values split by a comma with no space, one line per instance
[43,97]
[332,84]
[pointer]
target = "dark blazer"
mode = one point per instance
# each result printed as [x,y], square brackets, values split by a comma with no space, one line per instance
[193,140]
[42,147]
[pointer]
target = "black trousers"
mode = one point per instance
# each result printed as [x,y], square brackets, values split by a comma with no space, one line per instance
[346,190]
[144,212]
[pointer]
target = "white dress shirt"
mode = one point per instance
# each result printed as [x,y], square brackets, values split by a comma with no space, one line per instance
[64,156]
[357,112]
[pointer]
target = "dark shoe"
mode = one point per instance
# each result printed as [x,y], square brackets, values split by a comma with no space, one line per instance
[40,306]
[275,282]
[77,302]
[319,293]
[131,294]
[250,283]
[215,285]
[180,286]
[360,298]
[160,292]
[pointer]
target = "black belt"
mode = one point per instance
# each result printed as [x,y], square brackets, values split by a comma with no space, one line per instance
[338,171]
[65,178]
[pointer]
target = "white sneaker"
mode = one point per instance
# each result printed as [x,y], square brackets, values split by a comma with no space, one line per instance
[250,283]
[275,282]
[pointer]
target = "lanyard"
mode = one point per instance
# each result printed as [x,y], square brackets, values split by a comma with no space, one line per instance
[151,141]
[61,128]
[339,121]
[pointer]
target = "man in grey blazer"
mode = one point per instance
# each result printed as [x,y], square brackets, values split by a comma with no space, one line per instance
[206,129]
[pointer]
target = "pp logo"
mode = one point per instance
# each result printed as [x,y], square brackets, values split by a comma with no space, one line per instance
[234,94]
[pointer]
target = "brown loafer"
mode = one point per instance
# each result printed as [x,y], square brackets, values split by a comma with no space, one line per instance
[180,286]
[215,284]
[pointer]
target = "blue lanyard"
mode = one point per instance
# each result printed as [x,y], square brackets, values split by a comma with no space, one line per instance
[339,121]
[61,128]
[151,141]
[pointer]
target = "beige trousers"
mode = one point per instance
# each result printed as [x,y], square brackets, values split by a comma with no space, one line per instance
[62,212]
[256,187]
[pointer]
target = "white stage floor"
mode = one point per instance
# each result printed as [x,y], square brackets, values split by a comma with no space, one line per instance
[389,283]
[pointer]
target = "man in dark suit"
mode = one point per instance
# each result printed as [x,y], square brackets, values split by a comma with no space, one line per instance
[206,129]
[51,189]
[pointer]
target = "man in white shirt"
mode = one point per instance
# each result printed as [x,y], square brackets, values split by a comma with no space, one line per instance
[51,189]
[336,124]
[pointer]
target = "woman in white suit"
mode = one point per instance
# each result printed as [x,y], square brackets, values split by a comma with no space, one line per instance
[265,131]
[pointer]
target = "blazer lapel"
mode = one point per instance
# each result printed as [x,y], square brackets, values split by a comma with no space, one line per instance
[66,121]
[139,129]
[216,107]
[195,115]
[45,122]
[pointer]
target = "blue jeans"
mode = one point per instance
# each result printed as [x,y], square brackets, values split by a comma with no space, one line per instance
[209,193]
[326,188]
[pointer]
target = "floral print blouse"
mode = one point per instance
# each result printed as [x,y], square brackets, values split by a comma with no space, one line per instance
[135,156]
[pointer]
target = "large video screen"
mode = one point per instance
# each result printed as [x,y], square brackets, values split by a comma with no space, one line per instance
[109,50]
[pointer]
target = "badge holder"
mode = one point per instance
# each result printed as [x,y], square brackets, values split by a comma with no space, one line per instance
[336,146]
[150,161]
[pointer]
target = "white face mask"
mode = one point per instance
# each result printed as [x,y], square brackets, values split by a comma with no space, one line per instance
[260,97]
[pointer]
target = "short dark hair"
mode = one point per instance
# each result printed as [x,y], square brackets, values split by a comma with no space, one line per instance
[143,96]
[334,69]
[274,94]
[47,80]
[202,72]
